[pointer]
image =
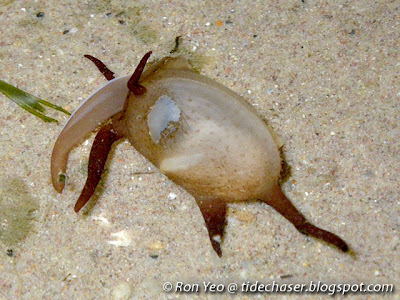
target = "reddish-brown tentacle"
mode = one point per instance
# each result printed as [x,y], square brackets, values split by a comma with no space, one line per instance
[97,160]
[283,205]
[108,74]
[106,135]
[214,212]
[133,83]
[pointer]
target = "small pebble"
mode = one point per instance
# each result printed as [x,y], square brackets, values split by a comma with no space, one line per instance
[122,239]
[270,91]
[122,291]
[155,246]
[217,238]
[172,196]
[244,216]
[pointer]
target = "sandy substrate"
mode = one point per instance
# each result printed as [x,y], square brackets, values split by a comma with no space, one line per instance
[325,76]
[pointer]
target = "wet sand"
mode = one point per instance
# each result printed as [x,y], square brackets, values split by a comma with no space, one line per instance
[324,76]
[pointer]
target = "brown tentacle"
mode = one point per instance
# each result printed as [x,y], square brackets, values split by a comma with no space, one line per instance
[214,212]
[283,205]
[133,83]
[97,160]
[108,74]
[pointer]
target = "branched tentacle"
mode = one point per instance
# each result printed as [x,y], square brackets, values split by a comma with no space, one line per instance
[283,205]
[214,214]
[108,74]
[97,160]
[133,83]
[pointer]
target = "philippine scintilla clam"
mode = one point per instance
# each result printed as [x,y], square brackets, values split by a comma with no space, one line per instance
[200,134]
